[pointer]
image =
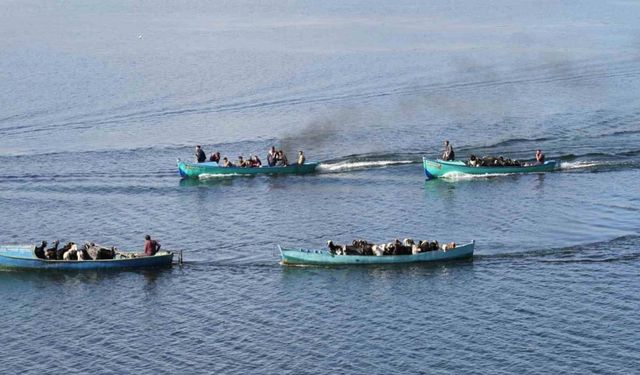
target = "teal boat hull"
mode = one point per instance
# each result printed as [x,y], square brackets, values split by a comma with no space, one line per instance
[23,257]
[196,170]
[296,256]
[441,168]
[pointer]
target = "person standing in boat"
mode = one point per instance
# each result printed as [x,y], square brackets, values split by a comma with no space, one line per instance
[301,158]
[151,247]
[201,157]
[271,157]
[448,153]
[539,157]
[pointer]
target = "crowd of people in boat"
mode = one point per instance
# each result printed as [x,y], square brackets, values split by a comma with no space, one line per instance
[89,251]
[275,158]
[406,247]
[490,161]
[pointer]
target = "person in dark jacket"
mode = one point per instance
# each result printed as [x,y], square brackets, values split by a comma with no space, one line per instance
[539,157]
[151,247]
[201,157]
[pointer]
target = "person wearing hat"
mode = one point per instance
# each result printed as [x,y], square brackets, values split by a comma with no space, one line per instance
[151,247]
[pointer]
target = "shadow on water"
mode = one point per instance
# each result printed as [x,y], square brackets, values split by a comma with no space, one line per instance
[48,277]
[194,182]
[298,274]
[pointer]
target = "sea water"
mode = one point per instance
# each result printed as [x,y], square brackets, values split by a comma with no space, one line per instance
[99,99]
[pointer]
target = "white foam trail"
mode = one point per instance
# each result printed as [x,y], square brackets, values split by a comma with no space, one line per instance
[207,176]
[578,164]
[457,176]
[356,165]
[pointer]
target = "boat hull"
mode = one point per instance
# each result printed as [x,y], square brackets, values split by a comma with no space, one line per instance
[291,256]
[196,170]
[441,168]
[22,257]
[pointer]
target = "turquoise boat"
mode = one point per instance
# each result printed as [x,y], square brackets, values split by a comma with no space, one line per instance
[296,256]
[196,170]
[24,257]
[441,168]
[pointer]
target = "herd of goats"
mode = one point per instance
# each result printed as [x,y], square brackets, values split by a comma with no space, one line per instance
[397,247]
[71,251]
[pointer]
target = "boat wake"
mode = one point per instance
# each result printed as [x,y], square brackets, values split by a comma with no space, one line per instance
[580,165]
[458,176]
[346,166]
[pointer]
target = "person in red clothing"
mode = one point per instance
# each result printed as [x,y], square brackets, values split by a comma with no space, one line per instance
[151,247]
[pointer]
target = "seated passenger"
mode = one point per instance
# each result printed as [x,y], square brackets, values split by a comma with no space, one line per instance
[448,153]
[539,157]
[226,163]
[215,157]
[241,162]
[301,158]
[151,247]
[281,159]
[473,161]
[254,161]
[271,157]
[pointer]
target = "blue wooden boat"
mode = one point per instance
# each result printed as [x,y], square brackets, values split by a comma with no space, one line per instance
[441,168]
[24,257]
[296,256]
[188,169]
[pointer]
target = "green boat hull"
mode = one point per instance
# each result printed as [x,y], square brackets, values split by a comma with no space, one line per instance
[195,170]
[441,168]
[291,256]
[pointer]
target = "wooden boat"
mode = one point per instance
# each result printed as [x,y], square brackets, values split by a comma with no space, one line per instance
[291,256]
[24,257]
[441,168]
[188,169]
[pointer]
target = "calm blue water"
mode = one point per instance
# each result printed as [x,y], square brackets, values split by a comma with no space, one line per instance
[98,100]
